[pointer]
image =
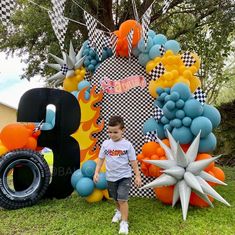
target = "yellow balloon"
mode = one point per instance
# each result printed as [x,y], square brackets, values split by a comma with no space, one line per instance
[182,79]
[3,150]
[168,76]
[193,69]
[187,74]
[152,89]
[106,194]
[70,84]
[150,65]
[79,78]
[195,82]
[169,52]
[175,73]
[96,196]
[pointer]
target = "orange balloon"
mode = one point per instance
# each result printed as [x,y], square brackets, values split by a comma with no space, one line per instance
[154,171]
[149,149]
[166,142]
[144,169]
[165,194]
[197,201]
[219,174]
[160,152]
[212,184]
[140,157]
[155,157]
[14,136]
[31,143]
[126,27]
[203,156]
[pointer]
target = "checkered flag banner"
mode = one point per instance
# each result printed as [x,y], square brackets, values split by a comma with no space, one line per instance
[200,95]
[6,8]
[99,40]
[91,24]
[166,6]
[58,7]
[135,11]
[113,42]
[64,69]
[129,40]
[157,72]
[162,50]
[145,24]
[59,25]
[188,59]
[106,41]
[151,136]
[157,113]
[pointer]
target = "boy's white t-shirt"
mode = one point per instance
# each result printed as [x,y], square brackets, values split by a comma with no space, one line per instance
[117,155]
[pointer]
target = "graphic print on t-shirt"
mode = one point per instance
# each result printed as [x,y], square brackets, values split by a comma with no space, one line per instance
[115,152]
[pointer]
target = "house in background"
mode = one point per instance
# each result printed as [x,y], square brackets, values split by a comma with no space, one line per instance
[7,114]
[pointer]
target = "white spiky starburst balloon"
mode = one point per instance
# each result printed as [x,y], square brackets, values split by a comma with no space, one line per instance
[67,65]
[186,174]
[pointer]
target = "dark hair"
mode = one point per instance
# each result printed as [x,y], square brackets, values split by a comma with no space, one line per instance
[116,120]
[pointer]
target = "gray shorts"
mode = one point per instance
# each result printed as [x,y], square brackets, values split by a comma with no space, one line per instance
[119,190]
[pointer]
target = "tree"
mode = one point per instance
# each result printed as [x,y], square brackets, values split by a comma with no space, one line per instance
[206,27]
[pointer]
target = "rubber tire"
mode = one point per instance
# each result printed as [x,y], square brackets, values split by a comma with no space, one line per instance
[12,199]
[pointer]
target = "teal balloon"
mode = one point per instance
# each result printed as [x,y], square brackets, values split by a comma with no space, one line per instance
[202,124]
[170,105]
[158,103]
[175,96]
[102,182]
[84,84]
[85,52]
[91,67]
[170,114]
[159,90]
[183,91]
[159,39]
[176,123]
[92,53]
[155,51]
[104,55]
[212,114]
[76,176]
[87,62]
[151,33]
[187,121]
[167,98]
[164,120]
[183,135]
[180,114]
[207,144]
[193,108]
[143,59]
[160,131]
[150,125]
[88,168]
[168,90]
[85,186]
[136,51]
[142,47]
[179,104]
[173,46]
[167,127]
[162,96]
[94,62]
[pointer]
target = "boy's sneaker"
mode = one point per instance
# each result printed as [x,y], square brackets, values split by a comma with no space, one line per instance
[123,228]
[117,216]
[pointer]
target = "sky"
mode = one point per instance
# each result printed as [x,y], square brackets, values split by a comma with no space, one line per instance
[11,86]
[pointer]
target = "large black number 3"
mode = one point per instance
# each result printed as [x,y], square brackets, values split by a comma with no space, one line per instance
[32,108]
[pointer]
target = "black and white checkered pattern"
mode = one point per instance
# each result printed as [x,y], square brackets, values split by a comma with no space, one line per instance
[113,42]
[157,113]
[59,25]
[6,8]
[99,41]
[129,40]
[151,136]
[64,69]
[135,11]
[188,59]
[166,6]
[157,72]
[162,50]
[91,24]
[200,95]
[106,41]
[145,24]
[135,106]
[58,7]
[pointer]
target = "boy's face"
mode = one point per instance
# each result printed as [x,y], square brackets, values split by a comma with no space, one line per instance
[115,132]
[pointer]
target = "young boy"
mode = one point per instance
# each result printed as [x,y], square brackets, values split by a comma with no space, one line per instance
[118,152]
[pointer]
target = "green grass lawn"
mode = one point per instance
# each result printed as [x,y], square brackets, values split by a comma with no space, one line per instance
[74,215]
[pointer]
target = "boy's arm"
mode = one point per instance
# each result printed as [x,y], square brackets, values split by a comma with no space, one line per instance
[137,172]
[97,169]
